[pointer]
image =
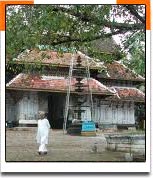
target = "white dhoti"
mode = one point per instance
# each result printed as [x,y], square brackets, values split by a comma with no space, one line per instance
[42,148]
[43,142]
[42,134]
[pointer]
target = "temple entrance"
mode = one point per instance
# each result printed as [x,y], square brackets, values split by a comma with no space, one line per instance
[56,106]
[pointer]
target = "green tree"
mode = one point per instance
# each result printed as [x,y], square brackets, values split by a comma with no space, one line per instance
[73,27]
[134,45]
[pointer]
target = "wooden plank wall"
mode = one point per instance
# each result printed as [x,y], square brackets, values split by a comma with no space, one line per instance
[114,113]
[110,113]
[105,112]
[10,108]
[27,106]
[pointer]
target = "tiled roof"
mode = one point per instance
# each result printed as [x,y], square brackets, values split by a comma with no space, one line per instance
[60,84]
[116,70]
[53,84]
[128,94]
[49,57]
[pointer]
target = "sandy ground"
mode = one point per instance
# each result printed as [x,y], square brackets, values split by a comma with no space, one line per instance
[21,146]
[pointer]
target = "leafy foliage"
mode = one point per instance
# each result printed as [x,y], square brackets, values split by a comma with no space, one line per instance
[135,47]
[74,27]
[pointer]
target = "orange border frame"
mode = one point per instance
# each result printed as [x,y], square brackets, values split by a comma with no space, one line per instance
[145,2]
[2,9]
[4,2]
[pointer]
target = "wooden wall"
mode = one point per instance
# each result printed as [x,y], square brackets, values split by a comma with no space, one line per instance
[105,112]
[27,106]
[114,113]
[10,108]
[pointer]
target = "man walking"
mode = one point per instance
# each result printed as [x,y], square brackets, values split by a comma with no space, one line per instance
[42,132]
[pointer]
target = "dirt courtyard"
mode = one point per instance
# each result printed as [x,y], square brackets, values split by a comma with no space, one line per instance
[21,146]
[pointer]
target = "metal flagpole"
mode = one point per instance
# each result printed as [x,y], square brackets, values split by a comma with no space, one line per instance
[69,80]
[89,88]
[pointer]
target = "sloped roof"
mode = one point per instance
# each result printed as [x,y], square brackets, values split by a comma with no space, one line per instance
[116,70]
[60,84]
[128,94]
[107,45]
[48,57]
[53,84]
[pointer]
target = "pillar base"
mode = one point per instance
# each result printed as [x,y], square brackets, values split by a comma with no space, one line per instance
[86,128]
[75,129]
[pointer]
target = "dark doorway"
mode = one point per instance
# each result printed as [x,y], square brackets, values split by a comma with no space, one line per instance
[56,106]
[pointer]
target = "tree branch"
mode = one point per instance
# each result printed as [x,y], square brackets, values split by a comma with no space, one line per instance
[96,21]
[70,39]
[135,13]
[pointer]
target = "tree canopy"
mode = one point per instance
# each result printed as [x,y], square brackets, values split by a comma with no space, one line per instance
[67,27]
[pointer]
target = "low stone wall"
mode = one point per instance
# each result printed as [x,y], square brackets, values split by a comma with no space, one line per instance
[108,127]
[126,143]
[28,123]
[116,127]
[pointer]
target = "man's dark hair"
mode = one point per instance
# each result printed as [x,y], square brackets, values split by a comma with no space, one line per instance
[46,114]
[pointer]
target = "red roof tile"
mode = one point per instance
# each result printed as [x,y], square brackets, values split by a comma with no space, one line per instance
[53,84]
[116,70]
[49,57]
[129,94]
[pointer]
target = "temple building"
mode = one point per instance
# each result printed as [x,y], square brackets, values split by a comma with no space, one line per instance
[44,87]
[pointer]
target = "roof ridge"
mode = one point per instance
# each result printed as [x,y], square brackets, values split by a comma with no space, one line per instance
[129,69]
[11,81]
